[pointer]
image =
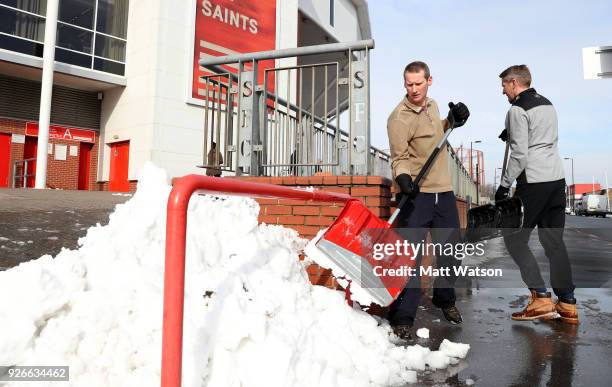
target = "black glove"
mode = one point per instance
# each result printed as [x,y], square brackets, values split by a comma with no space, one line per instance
[407,186]
[503,135]
[458,114]
[502,193]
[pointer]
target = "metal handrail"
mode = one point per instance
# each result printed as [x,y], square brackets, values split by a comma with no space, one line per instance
[289,52]
[220,72]
[234,78]
[254,141]
[24,176]
[176,236]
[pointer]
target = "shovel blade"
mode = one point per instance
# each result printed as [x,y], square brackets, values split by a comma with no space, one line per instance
[505,217]
[350,243]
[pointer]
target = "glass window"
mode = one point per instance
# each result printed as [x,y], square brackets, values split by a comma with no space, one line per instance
[22,31]
[21,24]
[73,58]
[19,45]
[77,12]
[74,38]
[113,17]
[38,7]
[110,48]
[108,66]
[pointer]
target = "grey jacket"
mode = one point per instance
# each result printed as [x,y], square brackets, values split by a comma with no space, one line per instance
[532,131]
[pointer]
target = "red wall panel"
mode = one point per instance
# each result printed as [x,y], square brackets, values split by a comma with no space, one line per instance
[225,26]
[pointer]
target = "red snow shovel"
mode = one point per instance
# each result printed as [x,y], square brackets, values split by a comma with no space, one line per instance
[355,243]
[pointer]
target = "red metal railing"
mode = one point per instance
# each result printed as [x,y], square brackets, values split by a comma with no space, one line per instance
[176,230]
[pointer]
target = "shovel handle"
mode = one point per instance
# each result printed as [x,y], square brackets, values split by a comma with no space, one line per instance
[430,160]
[505,160]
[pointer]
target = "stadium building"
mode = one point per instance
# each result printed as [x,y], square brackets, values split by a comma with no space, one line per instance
[125,84]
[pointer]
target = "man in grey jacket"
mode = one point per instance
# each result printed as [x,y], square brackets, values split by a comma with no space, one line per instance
[531,129]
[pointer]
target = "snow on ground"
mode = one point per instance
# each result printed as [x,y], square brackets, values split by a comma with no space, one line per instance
[251,316]
[423,333]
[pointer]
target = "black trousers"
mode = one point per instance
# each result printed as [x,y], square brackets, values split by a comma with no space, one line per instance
[544,206]
[438,212]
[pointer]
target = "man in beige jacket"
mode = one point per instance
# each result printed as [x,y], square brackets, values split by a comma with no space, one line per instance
[415,128]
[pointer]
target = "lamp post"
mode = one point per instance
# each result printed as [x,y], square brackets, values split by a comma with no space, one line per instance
[495,178]
[471,149]
[573,182]
[471,173]
[477,186]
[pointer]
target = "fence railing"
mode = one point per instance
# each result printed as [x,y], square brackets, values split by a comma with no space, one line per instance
[463,186]
[287,120]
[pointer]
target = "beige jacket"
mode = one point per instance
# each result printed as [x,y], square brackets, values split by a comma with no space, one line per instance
[414,132]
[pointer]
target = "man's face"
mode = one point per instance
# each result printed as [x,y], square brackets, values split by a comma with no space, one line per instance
[416,87]
[509,89]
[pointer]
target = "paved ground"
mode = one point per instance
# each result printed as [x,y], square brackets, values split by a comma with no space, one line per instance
[503,353]
[508,353]
[38,222]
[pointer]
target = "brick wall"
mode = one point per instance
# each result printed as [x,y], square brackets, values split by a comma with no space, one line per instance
[308,218]
[63,174]
[103,186]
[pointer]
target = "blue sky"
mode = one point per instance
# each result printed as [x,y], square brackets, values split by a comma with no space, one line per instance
[468,43]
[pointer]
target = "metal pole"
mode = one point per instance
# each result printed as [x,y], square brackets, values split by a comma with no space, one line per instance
[477,193]
[46,89]
[573,183]
[572,192]
[607,196]
[289,52]
[471,174]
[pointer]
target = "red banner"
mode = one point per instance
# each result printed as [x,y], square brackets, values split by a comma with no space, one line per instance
[63,133]
[224,27]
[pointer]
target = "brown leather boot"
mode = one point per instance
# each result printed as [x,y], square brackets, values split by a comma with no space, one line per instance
[567,311]
[540,306]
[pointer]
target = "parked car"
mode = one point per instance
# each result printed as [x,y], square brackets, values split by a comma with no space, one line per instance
[592,205]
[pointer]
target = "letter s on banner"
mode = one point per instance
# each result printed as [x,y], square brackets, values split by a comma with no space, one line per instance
[206,8]
[359,82]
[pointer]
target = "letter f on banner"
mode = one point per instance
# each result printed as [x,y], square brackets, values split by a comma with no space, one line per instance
[359,111]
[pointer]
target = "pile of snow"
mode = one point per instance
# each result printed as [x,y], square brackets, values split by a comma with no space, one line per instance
[251,316]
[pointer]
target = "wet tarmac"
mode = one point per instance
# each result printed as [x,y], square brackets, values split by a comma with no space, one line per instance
[503,352]
[508,353]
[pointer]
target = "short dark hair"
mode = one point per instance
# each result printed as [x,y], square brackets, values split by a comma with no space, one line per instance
[519,72]
[416,66]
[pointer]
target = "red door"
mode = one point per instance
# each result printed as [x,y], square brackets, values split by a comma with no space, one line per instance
[84,165]
[5,159]
[120,159]
[29,152]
